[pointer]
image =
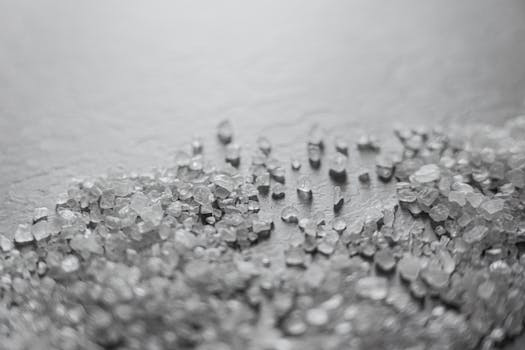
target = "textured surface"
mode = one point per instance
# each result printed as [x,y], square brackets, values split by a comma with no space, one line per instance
[97,86]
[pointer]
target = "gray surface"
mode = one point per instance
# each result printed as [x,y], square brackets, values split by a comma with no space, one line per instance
[87,87]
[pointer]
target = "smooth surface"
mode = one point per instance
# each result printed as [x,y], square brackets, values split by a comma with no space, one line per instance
[87,87]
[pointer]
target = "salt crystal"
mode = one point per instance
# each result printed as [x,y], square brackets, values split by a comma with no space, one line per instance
[375,288]
[492,206]
[70,264]
[294,256]
[385,260]
[290,214]
[338,198]
[341,145]
[296,164]
[278,174]
[367,143]
[364,176]
[384,168]
[40,230]
[439,212]
[339,225]
[315,136]
[224,185]
[262,182]
[233,154]
[476,234]
[405,192]
[40,214]
[196,145]
[304,187]
[327,244]
[5,244]
[475,199]
[278,191]
[409,267]
[317,317]
[447,261]
[338,166]
[203,195]
[225,132]
[458,198]
[435,277]
[486,290]
[262,225]
[23,234]
[516,177]
[314,156]
[418,289]
[264,145]
[427,196]
[425,174]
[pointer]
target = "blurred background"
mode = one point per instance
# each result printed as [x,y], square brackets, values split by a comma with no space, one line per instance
[90,86]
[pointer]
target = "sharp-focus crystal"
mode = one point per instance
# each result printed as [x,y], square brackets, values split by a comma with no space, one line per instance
[304,187]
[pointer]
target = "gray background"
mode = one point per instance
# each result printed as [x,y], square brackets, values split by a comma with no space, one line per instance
[88,87]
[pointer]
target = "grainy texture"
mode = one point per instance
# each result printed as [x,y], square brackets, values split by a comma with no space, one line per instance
[85,88]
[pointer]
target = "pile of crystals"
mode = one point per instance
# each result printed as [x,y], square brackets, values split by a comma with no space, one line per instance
[177,258]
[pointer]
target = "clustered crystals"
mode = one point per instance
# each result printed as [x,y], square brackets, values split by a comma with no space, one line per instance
[178,258]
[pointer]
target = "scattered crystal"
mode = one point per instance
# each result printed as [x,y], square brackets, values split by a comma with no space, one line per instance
[233,154]
[338,166]
[262,182]
[314,156]
[315,136]
[290,214]
[225,132]
[23,234]
[367,143]
[364,176]
[40,214]
[341,145]
[5,244]
[296,164]
[384,168]
[304,187]
[339,199]
[264,145]
[278,191]
[295,256]
[196,145]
